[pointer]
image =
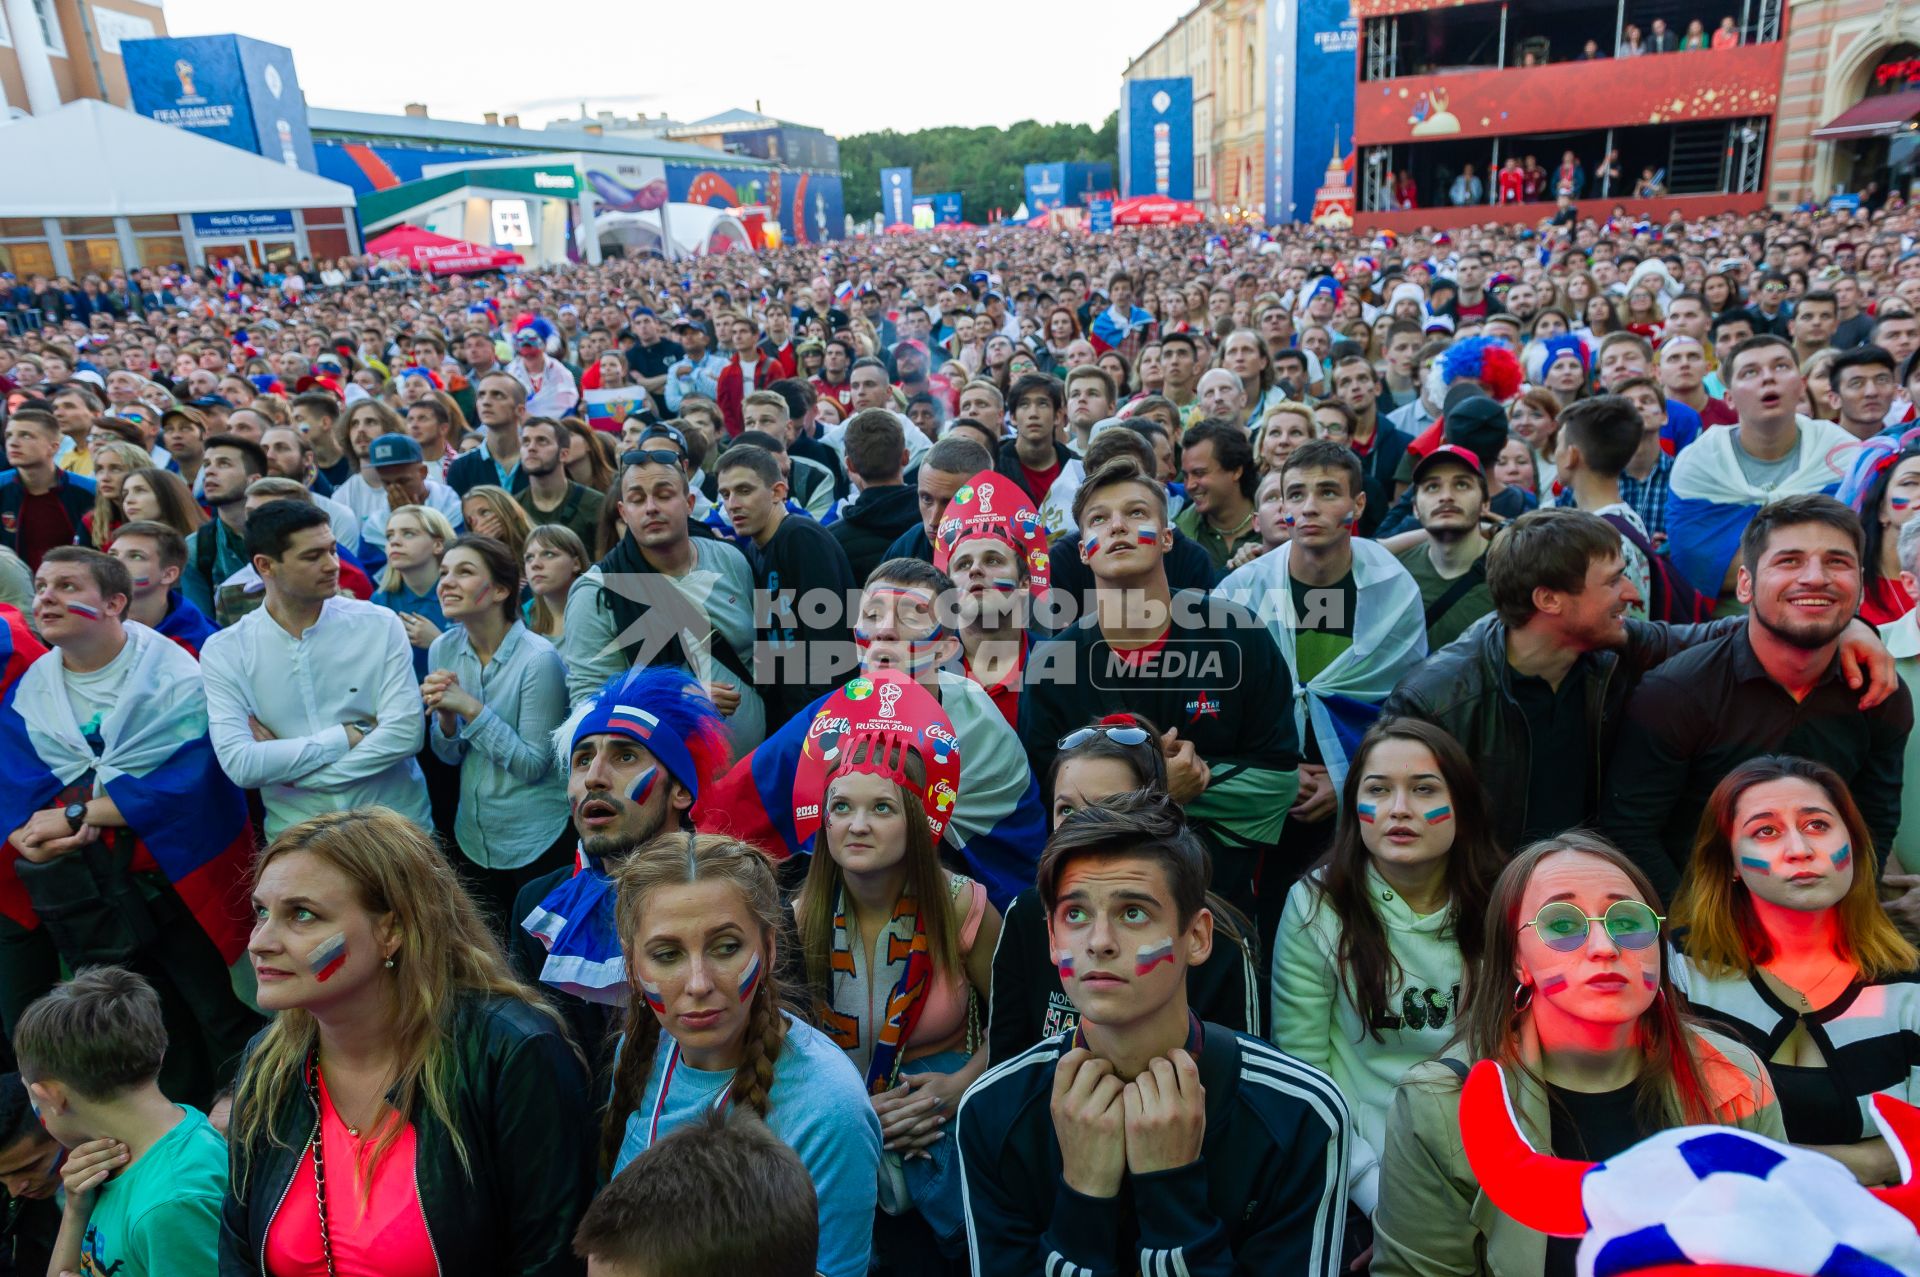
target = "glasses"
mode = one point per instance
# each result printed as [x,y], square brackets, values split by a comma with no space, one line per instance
[1563,926]
[1129,736]
[650,456]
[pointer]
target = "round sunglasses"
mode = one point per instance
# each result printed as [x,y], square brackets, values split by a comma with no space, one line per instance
[1563,926]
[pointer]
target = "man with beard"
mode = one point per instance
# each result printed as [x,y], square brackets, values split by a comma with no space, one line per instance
[910,359]
[636,757]
[218,548]
[1771,686]
[550,496]
[1449,493]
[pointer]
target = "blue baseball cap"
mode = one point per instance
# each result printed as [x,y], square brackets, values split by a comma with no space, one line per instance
[394,450]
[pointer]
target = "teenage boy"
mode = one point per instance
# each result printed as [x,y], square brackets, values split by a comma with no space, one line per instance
[1035,457]
[803,646]
[155,556]
[218,548]
[145,1177]
[30,1173]
[1215,682]
[1862,388]
[41,505]
[1147,1139]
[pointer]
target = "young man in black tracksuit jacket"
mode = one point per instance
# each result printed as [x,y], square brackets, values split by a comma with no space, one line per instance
[1146,1141]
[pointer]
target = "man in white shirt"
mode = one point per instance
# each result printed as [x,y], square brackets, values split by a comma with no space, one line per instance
[550,388]
[312,698]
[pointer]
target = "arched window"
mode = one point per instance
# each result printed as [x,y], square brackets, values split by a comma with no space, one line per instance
[1246,83]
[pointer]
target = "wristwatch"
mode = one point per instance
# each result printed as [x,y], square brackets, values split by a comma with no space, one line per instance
[76,814]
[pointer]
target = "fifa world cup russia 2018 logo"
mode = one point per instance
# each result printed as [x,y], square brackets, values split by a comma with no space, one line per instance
[184,69]
[986,498]
[889,697]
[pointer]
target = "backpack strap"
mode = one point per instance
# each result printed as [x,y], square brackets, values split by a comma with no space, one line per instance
[1458,1067]
[1461,587]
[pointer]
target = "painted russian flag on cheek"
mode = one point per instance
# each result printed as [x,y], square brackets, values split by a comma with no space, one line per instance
[1090,546]
[326,960]
[84,609]
[1150,956]
[1063,960]
[1365,812]
[1439,814]
[642,787]
[1147,534]
[655,1002]
[750,978]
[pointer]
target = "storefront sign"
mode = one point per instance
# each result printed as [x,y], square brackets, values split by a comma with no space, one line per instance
[275,221]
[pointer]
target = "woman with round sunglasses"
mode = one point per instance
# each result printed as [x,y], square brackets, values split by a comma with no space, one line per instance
[1782,938]
[1119,754]
[1570,995]
[1378,934]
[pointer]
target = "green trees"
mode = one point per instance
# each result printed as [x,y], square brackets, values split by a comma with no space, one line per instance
[985,165]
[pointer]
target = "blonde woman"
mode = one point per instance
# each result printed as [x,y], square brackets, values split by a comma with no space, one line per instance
[112,463]
[554,560]
[417,536]
[490,511]
[413,1109]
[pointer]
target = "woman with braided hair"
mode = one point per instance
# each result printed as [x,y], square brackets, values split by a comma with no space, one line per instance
[699,920]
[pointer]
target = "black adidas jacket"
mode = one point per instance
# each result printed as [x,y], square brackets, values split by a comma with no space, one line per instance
[1268,1194]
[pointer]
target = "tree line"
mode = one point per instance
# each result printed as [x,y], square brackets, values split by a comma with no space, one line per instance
[986,165]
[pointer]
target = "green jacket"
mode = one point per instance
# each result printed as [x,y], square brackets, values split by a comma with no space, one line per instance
[1433,1220]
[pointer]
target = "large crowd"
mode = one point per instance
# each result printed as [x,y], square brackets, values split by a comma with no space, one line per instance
[1001,752]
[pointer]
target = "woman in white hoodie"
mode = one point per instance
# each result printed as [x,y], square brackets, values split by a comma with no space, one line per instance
[1368,959]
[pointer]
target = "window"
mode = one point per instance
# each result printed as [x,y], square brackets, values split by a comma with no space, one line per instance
[159,251]
[93,256]
[50,28]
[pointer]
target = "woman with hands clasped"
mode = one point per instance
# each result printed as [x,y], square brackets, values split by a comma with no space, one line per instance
[495,692]
[898,950]
[1782,937]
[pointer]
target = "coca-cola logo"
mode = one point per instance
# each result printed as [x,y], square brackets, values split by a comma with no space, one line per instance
[943,796]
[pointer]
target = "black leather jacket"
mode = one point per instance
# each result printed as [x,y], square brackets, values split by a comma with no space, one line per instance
[1466,687]
[519,1103]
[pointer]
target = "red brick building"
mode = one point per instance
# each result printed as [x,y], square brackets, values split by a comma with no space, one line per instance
[1849,99]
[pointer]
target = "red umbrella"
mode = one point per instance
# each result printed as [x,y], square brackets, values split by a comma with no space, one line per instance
[438,255]
[899,228]
[1155,210]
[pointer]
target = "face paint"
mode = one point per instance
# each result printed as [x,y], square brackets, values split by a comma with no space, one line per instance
[1553,984]
[1147,534]
[1841,857]
[1756,864]
[84,609]
[642,787]
[1064,961]
[1651,979]
[1439,815]
[1365,811]
[142,582]
[750,978]
[655,1003]
[1004,584]
[1090,545]
[1899,503]
[326,960]
[1149,956]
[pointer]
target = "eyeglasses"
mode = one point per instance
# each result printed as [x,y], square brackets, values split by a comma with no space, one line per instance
[1118,735]
[650,457]
[1564,926]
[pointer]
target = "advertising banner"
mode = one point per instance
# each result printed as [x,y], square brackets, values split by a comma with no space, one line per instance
[948,208]
[1046,187]
[809,207]
[1156,138]
[229,88]
[1311,50]
[1100,216]
[896,196]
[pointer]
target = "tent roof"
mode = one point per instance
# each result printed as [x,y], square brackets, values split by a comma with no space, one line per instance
[95,160]
[1872,117]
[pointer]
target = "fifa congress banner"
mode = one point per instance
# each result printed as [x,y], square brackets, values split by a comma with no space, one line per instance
[1311,50]
[1156,138]
[226,87]
[896,196]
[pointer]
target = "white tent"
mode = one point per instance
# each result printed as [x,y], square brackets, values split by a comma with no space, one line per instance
[698,230]
[88,159]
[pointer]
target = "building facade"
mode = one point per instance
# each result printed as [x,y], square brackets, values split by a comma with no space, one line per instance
[54,51]
[1849,100]
[1221,45]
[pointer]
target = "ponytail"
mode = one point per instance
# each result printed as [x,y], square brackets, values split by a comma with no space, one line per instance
[642,1042]
[766,1033]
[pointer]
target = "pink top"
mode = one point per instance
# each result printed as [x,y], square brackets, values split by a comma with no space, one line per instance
[1725,39]
[943,1021]
[388,1239]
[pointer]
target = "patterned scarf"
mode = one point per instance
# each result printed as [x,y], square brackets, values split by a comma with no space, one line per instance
[907,968]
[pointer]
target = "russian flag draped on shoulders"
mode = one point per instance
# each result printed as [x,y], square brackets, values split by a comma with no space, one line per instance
[157,764]
[1710,500]
[998,825]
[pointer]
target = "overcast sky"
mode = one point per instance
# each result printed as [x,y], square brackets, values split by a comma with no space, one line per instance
[871,66]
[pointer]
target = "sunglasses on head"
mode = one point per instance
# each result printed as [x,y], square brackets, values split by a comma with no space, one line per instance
[1564,926]
[650,456]
[1129,736]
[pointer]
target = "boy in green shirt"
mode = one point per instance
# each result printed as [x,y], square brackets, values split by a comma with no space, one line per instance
[144,1176]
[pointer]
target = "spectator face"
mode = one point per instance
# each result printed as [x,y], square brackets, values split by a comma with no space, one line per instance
[1651,407]
[654,504]
[870,389]
[1355,386]
[1401,784]
[1791,847]
[1683,365]
[1331,425]
[1903,495]
[1898,336]
[541,449]
[1087,403]
[696,946]
[59,589]
[1766,387]
[899,628]
[1222,394]
[224,476]
[603,773]
[1448,500]
[1620,361]
[1862,393]
[494,403]
[138,500]
[865,820]
[1807,587]
[981,405]
[1113,917]
[30,1166]
[1284,432]
[1601,982]
[988,575]
[1549,325]
[285,458]
[1514,467]
[1034,417]
[141,554]
[1731,334]
[1814,322]
[409,543]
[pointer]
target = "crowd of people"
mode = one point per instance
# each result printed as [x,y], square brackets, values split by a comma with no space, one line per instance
[968,752]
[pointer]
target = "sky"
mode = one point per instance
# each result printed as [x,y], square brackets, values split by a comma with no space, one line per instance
[873,66]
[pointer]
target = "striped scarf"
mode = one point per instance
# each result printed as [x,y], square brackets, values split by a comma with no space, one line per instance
[906,965]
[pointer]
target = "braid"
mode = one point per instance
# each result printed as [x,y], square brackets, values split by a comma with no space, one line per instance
[629,1077]
[766,1031]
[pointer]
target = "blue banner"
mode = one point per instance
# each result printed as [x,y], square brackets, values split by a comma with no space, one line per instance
[1156,138]
[229,88]
[947,208]
[810,207]
[1100,216]
[1311,50]
[276,221]
[896,196]
[1046,188]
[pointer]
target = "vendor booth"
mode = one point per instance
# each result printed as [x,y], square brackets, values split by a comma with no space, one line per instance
[93,189]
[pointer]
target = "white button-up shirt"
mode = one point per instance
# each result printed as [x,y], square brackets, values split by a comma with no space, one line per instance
[351,665]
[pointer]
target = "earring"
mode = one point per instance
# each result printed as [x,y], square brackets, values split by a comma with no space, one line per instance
[1522,995]
[389,964]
